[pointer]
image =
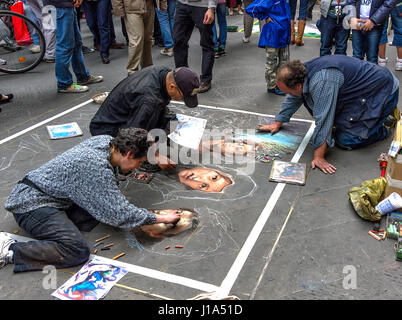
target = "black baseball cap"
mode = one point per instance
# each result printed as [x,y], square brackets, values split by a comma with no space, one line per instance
[188,83]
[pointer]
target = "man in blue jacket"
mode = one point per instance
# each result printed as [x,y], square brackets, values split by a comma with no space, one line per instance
[274,37]
[349,99]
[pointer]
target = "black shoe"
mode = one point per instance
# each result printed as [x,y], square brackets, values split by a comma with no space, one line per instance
[105,59]
[85,50]
[49,60]
[148,167]
[9,96]
[204,87]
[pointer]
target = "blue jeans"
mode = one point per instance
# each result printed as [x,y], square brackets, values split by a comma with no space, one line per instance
[331,30]
[365,43]
[166,22]
[31,16]
[69,49]
[379,132]
[97,16]
[302,9]
[396,20]
[221,17]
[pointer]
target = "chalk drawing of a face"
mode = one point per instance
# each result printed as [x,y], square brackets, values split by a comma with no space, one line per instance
[205,179]
[231,148]
[188,220]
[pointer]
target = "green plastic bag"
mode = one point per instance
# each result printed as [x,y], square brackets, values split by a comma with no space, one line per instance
[366,197]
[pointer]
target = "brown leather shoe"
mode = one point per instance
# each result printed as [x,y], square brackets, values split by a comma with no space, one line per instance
[292,32]
[204,87]
[117,45]
[300,31]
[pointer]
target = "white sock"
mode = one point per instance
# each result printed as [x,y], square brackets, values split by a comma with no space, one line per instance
[9,256]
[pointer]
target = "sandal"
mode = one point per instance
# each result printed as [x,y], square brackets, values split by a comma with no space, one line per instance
[8,99]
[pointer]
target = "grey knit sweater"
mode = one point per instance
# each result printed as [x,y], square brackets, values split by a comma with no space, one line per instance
[82,175]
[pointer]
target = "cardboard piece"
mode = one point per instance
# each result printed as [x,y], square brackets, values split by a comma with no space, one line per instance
[393,173]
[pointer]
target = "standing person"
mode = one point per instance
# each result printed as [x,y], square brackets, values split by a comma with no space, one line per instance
[47,24]
[275,36]
[166,22]
[248,22]
[200,14]
[350,100]
[59,199]
[396,20]
[310,6]
[372,14]
[234,4]
[97,16]
[139,21]
[220,41]
[301,21]
[331,27]
[69,49]
[85,49]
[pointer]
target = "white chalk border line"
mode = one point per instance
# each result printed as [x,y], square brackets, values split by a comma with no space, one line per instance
[227,284]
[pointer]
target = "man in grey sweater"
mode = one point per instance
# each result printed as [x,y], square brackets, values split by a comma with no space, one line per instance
[73,192]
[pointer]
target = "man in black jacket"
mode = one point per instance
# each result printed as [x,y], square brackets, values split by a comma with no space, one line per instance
[69,49]
[141,99]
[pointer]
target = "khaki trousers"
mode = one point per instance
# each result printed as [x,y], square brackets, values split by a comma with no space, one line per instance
[140,27]
[248,21]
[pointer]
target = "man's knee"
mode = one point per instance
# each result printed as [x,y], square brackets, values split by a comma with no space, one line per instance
[75,251]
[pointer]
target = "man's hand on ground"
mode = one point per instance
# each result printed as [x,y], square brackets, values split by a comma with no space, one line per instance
[209,16]
[273,127]
[171,216]
[323,165]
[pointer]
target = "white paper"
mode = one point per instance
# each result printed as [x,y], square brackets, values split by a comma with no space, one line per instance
[189,131]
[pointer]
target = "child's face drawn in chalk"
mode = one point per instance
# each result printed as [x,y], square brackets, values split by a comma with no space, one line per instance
[204,179]
[188,220]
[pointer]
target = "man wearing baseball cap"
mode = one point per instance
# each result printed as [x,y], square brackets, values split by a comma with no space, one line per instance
[141,100]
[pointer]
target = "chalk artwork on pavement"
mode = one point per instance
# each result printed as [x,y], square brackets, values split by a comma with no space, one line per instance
[205,179]
[188,220]
[92,282]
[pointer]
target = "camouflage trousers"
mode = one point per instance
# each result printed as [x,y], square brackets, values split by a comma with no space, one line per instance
[275,58]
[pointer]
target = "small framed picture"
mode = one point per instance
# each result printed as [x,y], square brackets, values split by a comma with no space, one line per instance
[62,131]
[288,172]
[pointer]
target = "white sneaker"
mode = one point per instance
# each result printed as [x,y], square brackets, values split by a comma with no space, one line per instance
[382,62]
[35,48]
[246,39]
[398,65]
[5,242]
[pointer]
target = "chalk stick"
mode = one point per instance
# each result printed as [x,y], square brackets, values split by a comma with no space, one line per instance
[103,238]
[118,256]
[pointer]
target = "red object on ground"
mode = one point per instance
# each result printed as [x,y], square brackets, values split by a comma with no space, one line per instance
[21,32]
[383,166]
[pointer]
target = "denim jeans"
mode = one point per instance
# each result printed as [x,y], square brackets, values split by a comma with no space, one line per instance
[166,22]
[186,18]
[97,17]
[60,242]
[365,43]
[379,132]
[302,9]
[331,30]
[69,49]
[31,16]
[221,17]
[396,22]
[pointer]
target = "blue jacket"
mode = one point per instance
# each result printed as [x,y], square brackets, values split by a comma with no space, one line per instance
[274,34]
[380,9]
